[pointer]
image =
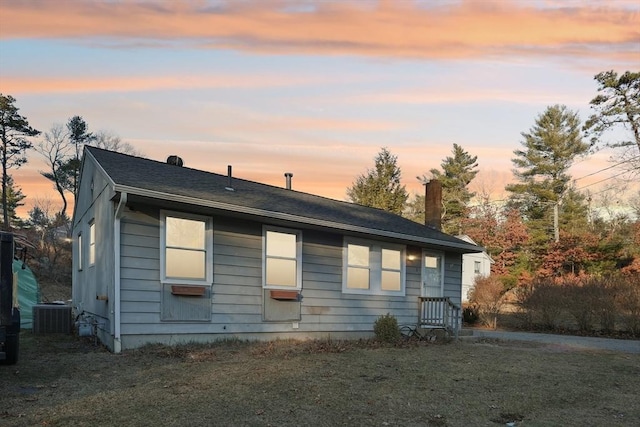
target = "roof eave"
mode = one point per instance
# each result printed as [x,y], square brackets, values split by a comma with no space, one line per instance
[457,247]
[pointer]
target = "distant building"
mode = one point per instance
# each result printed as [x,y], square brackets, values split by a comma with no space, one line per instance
[473,265]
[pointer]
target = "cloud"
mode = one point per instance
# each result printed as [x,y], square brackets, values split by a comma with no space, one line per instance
[464,29]
[39,85]
[465,95]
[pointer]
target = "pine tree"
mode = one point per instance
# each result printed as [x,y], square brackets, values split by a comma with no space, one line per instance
[457,173]
[616,106]
[541,168]
[380,187]
[14,131]
[14,201]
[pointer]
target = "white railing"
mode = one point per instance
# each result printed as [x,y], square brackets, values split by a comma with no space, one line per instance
[439,313]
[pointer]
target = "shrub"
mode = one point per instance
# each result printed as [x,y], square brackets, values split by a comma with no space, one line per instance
[470,315]
[386,328]
[486,296]
[628,302]
[544,302]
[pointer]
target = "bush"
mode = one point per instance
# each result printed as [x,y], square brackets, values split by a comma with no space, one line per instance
[545,302]
[470,315]
[386,328]
[486,295]
[593,302]
[628,302]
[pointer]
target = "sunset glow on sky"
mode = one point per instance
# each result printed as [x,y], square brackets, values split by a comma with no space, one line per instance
[312,87]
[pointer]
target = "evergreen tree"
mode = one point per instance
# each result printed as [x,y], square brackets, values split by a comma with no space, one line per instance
[541,168]
[14,131]
[457,173]
[380,187]
[415,209]
[618,103]
[78,134]
[573,212]
[14,201]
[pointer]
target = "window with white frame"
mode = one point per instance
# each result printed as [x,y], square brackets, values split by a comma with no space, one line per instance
[373,268]
[186,248]
[282,258]
[80,248]
[476,267]
[92,242]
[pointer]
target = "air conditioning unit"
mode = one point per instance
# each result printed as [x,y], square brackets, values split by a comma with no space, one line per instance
[51,319]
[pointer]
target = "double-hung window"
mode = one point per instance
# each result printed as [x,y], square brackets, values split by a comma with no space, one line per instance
[373,268]
[186,248]
[92,242]
[282,258]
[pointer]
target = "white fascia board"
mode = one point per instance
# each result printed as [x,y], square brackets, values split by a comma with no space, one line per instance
[293,218]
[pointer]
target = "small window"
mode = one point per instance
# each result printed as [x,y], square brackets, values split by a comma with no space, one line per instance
[186,248]
[80,251]
[282,258]
[373,268]
[476,267]
[92,242]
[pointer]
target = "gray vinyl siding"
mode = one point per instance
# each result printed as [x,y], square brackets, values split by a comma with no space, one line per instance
[453,277]
[93,293]
[237,293]
[140,289]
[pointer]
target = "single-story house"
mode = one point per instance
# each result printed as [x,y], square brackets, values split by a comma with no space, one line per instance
[473,265]
[165,254]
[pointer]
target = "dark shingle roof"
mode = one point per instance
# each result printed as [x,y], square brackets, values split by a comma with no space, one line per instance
[144,177]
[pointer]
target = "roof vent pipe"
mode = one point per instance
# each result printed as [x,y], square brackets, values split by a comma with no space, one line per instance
[175,160]
[229,186]
[288,176]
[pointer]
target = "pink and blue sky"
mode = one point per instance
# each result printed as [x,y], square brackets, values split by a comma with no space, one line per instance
[313,87]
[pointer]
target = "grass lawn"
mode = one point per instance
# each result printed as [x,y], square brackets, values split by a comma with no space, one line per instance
[65,381]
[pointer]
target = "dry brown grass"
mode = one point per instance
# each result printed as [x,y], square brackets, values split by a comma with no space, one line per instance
[62,381]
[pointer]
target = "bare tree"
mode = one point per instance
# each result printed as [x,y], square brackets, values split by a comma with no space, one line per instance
[110,141]
[56,149]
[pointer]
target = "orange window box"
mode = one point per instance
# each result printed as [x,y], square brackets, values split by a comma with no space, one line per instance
[193,291]
[285,295]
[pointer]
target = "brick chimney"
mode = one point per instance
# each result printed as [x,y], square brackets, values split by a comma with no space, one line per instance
[433,204]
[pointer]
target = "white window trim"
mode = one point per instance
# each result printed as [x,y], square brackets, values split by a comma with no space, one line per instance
[375,267]
[208,248]
[80,249]
[92,244]
[440,255]
[298,235]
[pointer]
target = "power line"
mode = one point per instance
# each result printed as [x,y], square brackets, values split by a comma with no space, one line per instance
[603,180]
[607,168]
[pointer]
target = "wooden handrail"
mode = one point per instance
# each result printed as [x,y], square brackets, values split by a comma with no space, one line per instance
[439,312]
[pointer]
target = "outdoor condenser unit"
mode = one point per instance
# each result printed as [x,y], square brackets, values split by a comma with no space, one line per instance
[51,319]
